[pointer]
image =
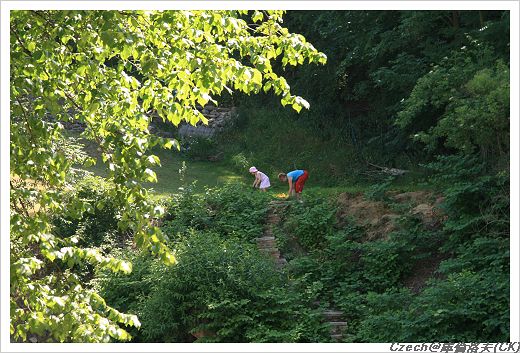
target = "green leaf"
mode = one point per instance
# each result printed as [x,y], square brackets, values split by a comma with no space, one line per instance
[125,267]
[174,117]
[297,107]
[43,76]
[151,176]
[257,16]
[126,52]
[171,143]
[267,86]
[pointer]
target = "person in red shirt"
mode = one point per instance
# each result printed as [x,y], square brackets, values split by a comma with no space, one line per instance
[296,180]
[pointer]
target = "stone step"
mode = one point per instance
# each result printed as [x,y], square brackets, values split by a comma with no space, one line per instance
[336,331]
[337,323]
[269,241]
[267,246]
[281,262]
[337,328]
[270,251]
[336,337]
[332,315]
[264,238]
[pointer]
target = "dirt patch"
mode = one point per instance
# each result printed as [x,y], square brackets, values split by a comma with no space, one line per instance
[379,219]
[376,217]
[425,205]
[412,197]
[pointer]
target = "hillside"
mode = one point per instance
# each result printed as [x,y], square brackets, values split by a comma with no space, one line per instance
[377,263]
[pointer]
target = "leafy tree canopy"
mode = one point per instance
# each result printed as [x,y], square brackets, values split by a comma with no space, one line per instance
[108,70]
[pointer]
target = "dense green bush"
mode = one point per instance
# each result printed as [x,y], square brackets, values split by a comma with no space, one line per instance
[221,286]
[311,222]
[232,210]
[362,266]
[99,224]
[477,200]
[470,93]
[466,307]
[186,210]
[239,210]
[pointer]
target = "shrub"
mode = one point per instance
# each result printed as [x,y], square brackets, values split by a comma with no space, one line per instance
[312,222]
[222,286]
[99,224]
[240,162]
[476,203]
[186,210]
[239,211]
[466,307]
[232,210]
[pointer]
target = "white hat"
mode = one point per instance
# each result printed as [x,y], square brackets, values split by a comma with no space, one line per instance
[253,170]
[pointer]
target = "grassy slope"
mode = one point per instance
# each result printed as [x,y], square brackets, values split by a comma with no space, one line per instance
[169,179]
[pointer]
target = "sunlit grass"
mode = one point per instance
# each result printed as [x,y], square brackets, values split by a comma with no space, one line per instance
[170,178]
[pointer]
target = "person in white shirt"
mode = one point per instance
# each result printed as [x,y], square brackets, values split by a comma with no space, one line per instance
[261,180]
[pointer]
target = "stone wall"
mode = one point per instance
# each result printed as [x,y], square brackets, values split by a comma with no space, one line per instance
[217,117]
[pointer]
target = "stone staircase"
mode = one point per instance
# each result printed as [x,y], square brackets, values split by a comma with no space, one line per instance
[267,245]
[335,320]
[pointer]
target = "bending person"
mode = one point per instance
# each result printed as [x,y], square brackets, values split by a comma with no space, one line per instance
[261,180]
[296,180]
